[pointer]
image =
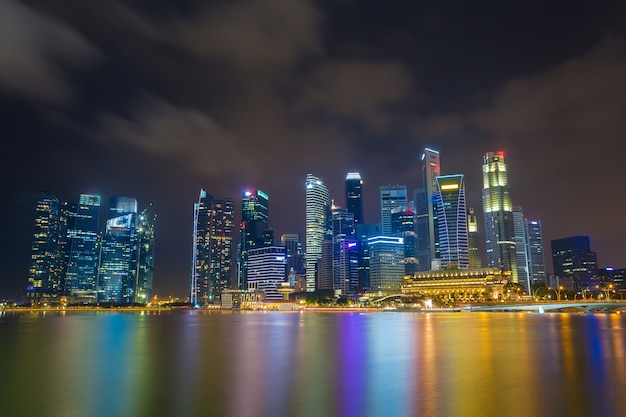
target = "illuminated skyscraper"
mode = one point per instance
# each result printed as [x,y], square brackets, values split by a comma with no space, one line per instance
[536,253]
[452,221]
[521,249]
[318,225]
[82,268]
[145,267]
[426,212]
[254,230]
[266,270]
[391,197]
[473,239]
[403,224]
[345,252]
[386,264]
[293,252]
[45,277]
[498,211]
[118,256]
[212,245]
[573,258]
[354,196]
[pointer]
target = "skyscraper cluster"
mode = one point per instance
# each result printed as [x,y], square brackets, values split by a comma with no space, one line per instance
[343,253]
[74,260]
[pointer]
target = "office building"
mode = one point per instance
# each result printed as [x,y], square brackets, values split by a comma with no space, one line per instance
[426,212]
[452,221]
[521,249]
[386,264]
[213,224]
[498,212]
[536,253]
[82,266]
[254,232]
[118,256]
[354,196]
[293,253]
[345,252]
[403,224]
[572,258]
[145,249]
[473,239]
[318,225]
[391,197]
[266,271]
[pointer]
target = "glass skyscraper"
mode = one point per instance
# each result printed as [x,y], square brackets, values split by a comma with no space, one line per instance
[391,197]
[145,234]
[354,196]
[82,268]
[452,221]
[426,211]
[254,230]
[213,224]
[473,239]
[118,257]
[521,249]
[498,212]
[386,264]
[536,253]
[318,225]
[573,258]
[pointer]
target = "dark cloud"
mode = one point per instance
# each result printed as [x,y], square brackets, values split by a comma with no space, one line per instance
[34,51]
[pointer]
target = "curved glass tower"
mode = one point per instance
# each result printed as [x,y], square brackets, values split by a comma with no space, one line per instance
[452,221]
[318,225]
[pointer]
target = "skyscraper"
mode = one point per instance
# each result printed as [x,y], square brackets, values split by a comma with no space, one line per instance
[118,255]
[473,240]
[386,264]
[344,255]
[391,196]
[452,220]
[426,212]
[498,212]
[318,225]
[145,267]
[354,196]
[266,270]
[536,253]
[403,224]
[82,268]
[45,277]
[573,258]
[212,244]
[254,230]
[293,252]
[521,249]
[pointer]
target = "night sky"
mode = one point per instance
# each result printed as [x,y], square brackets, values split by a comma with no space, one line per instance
[156,99]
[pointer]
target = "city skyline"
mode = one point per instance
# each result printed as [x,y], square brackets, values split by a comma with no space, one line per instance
[157,101]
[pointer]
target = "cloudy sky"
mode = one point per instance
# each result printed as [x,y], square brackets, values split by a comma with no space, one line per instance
[157,99]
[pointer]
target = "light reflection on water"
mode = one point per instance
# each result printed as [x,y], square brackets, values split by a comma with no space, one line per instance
[312,364]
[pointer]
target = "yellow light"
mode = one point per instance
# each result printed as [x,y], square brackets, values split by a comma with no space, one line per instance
[450,187]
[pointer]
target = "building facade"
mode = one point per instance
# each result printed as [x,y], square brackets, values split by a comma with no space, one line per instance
[452,221]
[426,213]
[254,232]
[573,258]
[473,239]
[266,271]
[318,225]
[386,264]
[391,197]
[354,196]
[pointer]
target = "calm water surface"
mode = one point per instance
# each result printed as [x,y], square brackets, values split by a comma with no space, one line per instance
[312,364]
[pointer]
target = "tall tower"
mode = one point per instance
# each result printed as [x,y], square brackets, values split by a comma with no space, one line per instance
[536,253]
[345,252]
[254,230]
[403,224]
[213,225]
[473,239]
[452,220]
[45,277]
[82,268]
[145,256]
[354,196]
[498,211]
[521,250]
[426,211]
[118,254]
[318,225]
[391,197]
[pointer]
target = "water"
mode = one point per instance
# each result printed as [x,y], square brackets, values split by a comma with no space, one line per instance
[312,364]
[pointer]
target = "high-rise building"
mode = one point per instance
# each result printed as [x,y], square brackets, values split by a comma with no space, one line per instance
[403,224]
[536,253]
[452,221]
[145,267]
[82,267]
[391,196]
[254,230]
[345,252]
[46,275]
[266,270]
[498,212]
[318,225]
[573,258]
[473,240]
[118,255]
[521,249]
[212,245]
[426,212]
[386,264]
[293,253]
[354,196]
